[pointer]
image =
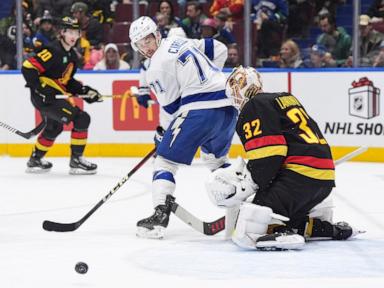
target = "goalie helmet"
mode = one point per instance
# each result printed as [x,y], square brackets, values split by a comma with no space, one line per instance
[141,28]
[243,84]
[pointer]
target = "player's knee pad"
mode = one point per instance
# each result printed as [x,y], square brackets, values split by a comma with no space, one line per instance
[251,224]
[81,121]
[163,180]
[323,210]
[52,130]
[163,164]
[212,162]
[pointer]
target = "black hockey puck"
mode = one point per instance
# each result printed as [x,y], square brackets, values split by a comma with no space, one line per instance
[81,268]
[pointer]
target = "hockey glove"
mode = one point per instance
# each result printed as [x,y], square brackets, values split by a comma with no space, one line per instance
[143,100]
[159,133]
[47,93]
[228,187]
[93,95]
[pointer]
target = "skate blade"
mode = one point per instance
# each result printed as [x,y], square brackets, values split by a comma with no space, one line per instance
[156,233]
[354,234]
[37,170]
[78,171]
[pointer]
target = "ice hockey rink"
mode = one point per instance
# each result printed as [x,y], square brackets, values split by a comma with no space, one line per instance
[32,257]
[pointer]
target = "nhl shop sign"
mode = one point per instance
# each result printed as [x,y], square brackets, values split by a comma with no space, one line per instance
[364,103]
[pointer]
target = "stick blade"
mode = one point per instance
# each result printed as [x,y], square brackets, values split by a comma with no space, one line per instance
[59,227]
[212,228]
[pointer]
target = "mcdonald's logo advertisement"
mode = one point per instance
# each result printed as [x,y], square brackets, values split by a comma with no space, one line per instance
[128,115]
[74,101]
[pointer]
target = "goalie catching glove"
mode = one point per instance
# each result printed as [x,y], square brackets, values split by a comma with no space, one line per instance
[228,187]
[93,95]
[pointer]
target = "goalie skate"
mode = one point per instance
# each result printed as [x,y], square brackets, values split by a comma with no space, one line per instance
[323,230]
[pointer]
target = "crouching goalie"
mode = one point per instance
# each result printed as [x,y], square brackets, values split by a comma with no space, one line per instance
[290,171]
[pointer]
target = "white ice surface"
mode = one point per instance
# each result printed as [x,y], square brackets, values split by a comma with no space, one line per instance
[31,257]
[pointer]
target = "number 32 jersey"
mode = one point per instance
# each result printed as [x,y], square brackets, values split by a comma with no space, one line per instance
[279,137]
[185,75]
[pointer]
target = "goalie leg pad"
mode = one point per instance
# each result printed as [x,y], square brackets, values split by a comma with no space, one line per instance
[323,210]
[252,223]
[251,230]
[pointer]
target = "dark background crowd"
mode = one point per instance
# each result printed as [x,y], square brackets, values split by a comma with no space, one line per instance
[285,33]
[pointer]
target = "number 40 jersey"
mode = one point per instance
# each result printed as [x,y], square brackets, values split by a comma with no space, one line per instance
[279,137]
[185,74]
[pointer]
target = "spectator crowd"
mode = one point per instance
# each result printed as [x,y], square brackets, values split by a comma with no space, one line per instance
[282,30]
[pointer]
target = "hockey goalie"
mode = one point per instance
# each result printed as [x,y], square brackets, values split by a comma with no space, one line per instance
[290,172]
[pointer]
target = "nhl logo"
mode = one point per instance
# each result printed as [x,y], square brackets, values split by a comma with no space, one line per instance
[358,103]
[364,99]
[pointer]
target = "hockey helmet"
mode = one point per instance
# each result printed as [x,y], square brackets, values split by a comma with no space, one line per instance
[79,7]
[243,84]
[141,28]
[69,23]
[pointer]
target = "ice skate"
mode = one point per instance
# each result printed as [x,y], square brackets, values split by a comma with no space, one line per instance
[38,165]
[80,166]
[343,231]
[324,230]
[154,226]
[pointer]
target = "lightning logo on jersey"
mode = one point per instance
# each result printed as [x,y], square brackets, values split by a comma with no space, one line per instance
[176,126]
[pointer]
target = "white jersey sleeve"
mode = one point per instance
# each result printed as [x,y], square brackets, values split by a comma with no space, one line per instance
[183,78]
[215,50]
[143,85]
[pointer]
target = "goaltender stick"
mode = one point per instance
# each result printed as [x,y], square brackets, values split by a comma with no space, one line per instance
[290,171]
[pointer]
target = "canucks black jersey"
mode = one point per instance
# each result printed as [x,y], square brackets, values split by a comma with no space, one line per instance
[53,66]
[279,137]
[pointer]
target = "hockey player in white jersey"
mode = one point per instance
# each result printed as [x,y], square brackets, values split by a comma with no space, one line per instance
[144,97]
[194,110]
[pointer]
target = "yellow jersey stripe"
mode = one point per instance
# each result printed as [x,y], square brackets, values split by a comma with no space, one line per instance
[51,83]
[268,151]
[320,174]
[28,65]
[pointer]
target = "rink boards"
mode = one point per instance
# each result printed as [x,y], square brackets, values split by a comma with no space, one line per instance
[345,103]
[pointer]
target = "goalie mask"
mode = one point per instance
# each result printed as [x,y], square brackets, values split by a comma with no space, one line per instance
[242,85]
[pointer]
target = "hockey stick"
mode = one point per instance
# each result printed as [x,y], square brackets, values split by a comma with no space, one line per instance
[68,227]
[133,92]
[206,228]
[150,102]
[354,153]
[218,225]
[26,135]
